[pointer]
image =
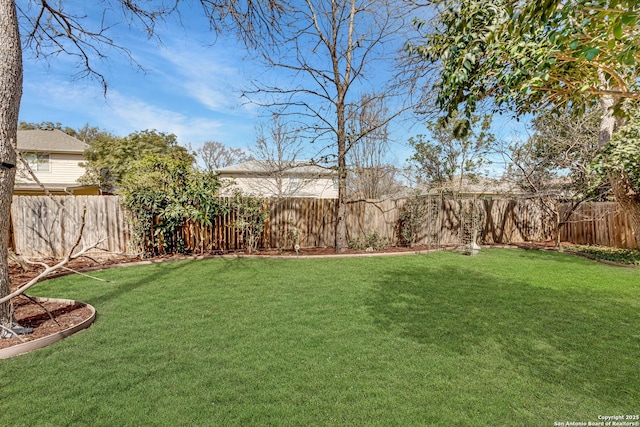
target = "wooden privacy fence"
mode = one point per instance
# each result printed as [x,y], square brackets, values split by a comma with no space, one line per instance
[48,227]
[602,224]
[502,221]
[443,223]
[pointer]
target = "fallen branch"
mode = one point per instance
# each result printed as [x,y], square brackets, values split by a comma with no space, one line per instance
[48,269]
[35,301]
[13,257]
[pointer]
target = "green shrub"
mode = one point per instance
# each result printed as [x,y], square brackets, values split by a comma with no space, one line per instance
[622,256]
[162,195]
[251,218]
[373,240]
[411,220]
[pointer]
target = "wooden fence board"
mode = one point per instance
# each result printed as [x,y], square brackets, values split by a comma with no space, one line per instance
[601,223]
[49,226]
[45,227]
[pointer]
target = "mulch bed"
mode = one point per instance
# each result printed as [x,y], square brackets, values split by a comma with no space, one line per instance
[50,317]
[46,318]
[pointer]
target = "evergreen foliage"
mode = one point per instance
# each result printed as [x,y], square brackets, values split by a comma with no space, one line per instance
[622,154]
[110,158]
[164,195]
[530,54]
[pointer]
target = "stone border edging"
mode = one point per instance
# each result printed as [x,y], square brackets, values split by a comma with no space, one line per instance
[38,343]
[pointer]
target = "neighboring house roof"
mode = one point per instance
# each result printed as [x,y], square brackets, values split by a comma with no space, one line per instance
[273,179]
[64,156]
[26,189]
[49,141]
[262,168]
[476,186]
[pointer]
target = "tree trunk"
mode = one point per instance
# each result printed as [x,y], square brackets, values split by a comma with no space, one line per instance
[341,215]
[625,194]
[629,201]
[10,94]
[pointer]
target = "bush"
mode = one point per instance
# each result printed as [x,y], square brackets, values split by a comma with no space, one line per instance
[163,195]
[373,240]
[411,220]
[621,256]
[251,218]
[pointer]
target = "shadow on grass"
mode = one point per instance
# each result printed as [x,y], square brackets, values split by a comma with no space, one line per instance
[156,272]
[166,271]
[573,338]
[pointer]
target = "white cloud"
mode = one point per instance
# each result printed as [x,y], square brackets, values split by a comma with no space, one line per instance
[74,105]
[211,75]
[189,89]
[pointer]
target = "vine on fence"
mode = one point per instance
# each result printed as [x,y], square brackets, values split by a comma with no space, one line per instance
[411,219]
[251,218]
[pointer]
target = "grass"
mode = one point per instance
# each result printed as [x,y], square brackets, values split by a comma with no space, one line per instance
[508,337]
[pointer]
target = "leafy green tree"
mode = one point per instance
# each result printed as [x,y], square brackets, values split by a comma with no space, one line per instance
[165,194]
[46,125]
[90,134]
[86,133]
[528,55]
[531,55]
[448,154]
[110,158]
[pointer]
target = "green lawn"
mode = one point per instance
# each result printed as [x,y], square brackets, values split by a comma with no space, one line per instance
[506,338]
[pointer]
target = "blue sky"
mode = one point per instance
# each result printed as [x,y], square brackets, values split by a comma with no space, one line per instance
[191,85]
[187,87]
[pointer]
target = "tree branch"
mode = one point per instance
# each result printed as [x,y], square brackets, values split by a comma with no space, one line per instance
[50,269]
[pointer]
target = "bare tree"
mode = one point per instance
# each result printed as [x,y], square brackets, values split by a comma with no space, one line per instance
[555,163]
[327,54]
[215,155]
[371,175]
[53,28]
[557,158]
[278,153]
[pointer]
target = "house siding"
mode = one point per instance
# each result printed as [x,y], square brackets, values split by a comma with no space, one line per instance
[64,168]
[322,188]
